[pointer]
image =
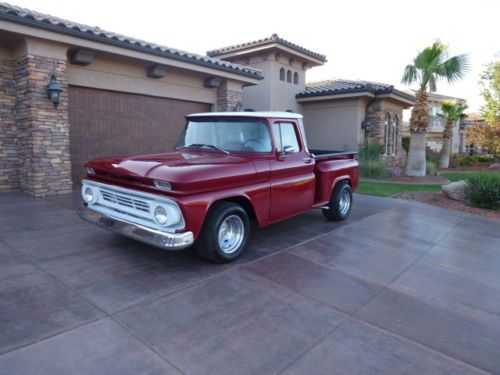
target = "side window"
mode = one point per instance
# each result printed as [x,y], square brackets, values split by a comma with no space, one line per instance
[285,136]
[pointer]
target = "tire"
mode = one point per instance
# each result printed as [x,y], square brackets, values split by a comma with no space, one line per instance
[220,244]
[339,208]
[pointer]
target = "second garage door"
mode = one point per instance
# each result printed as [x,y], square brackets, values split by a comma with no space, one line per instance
[106,123]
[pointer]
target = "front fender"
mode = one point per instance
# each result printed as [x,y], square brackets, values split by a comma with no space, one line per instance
[195,208]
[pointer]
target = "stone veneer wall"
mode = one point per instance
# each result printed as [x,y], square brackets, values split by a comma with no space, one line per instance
[43,131]
[227,99]
[8,136]
[376,114]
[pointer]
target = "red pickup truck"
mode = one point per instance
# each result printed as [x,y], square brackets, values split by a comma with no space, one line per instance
[228,169]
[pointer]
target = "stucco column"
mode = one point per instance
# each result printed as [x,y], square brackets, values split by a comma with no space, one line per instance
[43,131]
[229,95]
[9,159]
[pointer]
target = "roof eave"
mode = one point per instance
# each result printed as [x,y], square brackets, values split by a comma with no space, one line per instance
[333,95]
[407,100]
[314,58]
[100,39]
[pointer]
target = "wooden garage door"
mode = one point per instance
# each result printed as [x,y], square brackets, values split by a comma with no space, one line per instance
[107,123]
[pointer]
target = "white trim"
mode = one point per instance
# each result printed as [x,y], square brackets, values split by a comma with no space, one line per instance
[249,114]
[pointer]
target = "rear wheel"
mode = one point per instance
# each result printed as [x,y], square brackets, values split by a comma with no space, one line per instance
[340,204]
[225,233]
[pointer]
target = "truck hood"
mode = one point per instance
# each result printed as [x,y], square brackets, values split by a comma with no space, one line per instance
[189,171]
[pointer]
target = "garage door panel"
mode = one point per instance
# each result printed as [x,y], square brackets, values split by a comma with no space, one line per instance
[105,123]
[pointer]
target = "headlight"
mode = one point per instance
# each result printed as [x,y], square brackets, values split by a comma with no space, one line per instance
[160,215]
[90,170]
[89,195]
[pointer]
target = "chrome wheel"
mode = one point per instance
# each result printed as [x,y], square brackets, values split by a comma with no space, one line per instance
[231,234]
[344,202]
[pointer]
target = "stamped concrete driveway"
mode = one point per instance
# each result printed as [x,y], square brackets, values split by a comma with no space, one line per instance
[400,288]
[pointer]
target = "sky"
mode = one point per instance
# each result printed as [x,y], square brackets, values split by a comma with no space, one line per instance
[369,40]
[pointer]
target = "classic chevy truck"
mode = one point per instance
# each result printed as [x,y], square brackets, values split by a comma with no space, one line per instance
[228,169]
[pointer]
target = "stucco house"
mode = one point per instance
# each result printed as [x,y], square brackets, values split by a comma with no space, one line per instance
[338,113]
[120,96]
[116,95]
[434,136]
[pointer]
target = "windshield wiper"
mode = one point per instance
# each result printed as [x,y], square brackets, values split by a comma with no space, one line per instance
[202,145]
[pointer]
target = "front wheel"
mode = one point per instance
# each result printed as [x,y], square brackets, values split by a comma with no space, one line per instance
[225,233]
[340,204]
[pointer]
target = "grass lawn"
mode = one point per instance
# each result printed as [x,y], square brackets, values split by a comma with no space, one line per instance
[386,189]
[457,176]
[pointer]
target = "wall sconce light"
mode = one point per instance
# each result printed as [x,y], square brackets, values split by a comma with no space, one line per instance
[366,125]
[54,90]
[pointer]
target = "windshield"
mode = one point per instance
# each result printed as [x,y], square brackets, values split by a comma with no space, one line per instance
[247,135]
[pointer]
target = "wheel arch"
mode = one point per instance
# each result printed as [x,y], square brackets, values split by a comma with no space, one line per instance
[341,180]
[241,200]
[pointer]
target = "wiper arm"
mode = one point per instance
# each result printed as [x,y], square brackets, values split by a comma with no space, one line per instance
[201,145]
[217,148]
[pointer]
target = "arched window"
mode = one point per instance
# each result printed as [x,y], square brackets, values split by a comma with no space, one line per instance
[289,76]
[387,135]
[395,135]
[282,74]
[295,78]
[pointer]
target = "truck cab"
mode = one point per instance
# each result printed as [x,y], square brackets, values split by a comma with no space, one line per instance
[227,170]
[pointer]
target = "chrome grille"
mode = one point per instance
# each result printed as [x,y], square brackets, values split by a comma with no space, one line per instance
[125,201]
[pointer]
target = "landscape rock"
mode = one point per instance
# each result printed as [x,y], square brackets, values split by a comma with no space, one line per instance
[495,166]
[456,190]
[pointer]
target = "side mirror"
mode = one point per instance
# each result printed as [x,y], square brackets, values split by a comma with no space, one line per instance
[287,150]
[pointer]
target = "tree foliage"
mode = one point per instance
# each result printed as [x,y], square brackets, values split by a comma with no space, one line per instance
[430,65]
[452,111]
[490,84]
[486,136]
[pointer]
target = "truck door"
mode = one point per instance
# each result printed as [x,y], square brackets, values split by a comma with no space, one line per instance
[292,172]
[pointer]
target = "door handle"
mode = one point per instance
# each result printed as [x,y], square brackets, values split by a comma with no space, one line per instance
[307,160]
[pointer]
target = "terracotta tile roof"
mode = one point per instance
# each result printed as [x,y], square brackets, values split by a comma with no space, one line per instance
[35,19]
[344,86]
[262,42]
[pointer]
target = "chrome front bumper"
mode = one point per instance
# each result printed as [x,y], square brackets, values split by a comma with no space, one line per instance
[164,240]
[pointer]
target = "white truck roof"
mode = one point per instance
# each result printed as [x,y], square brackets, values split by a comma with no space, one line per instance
[272,114]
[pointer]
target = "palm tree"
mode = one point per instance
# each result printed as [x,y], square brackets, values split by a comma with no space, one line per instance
[428,67]
[453,112]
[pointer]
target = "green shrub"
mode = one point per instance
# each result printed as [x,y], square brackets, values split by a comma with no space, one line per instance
[485,159]
[466,160]
[484,190]
[374,169]
[405,143]
[431,168]
[370,151]
[432,156]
